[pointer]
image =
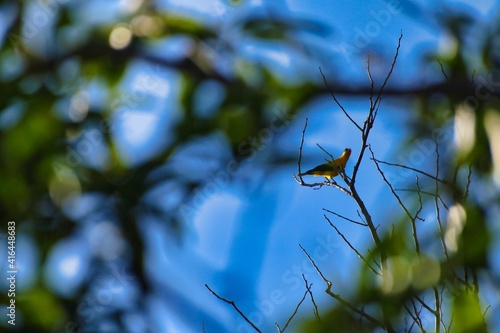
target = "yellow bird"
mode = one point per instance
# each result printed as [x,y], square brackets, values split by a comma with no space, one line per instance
[332,168]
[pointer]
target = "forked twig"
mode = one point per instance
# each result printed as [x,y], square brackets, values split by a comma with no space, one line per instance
[308,290]
[315,307]
[338,298]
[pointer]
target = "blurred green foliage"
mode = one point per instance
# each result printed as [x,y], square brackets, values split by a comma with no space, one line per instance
[37,174]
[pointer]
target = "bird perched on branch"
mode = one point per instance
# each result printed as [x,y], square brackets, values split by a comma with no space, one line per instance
[331,168]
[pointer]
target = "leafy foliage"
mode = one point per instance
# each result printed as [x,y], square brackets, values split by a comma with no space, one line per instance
[65,85]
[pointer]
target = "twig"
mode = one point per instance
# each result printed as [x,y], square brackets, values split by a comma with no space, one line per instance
[371,81]
[415,318]
[424,192]
[302,144]
[315,307]
[369,223]
[377,100]
[317,186]
[338,298]
[308,289]
[324,150]
[352,247]
[360,216]
[420,204]
[437,325]
[436,191]
[373,259]
[412,219]
[336,100]
[468,183]
[442,70]
[345,218]
[370,119]
[417,314]
[235,307]
[421,301]
[413,169]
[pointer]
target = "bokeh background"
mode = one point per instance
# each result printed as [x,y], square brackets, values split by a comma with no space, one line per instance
[147,149]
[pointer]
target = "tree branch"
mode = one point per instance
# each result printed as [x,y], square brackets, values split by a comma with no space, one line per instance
[308,290]
[352,247]
[235,307]
[336,101]
[338,298]
[345,218]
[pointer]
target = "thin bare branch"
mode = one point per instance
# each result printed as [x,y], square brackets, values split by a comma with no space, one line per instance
[301,145]
[373,259]
[371,81]
[308,289]
[420,204]
[468,184]
[235,307]
[317,186]
[424,192]
[421,301]
[324,150]
[413,169]
[336,100]
[315,266]
[415,318]
[345,218]
[370,119]
[437,313]
[417,314]
[379,96]
[352,247]
[338,298]
[360,216]
[369,223]
[436,204]
[315,307]
[442,70]
[486,310]
[412,220]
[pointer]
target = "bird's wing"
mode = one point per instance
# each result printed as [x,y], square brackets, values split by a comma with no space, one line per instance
[323,167]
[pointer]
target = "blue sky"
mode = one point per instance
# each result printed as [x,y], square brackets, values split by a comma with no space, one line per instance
[241,236]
